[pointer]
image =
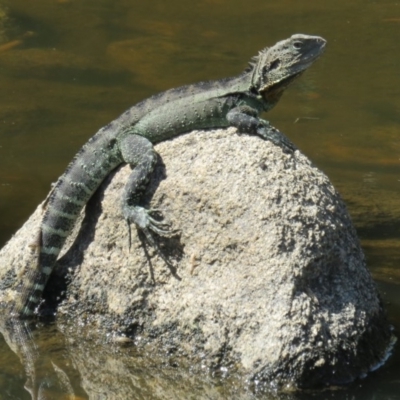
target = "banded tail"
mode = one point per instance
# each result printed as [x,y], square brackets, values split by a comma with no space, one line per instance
[97,158]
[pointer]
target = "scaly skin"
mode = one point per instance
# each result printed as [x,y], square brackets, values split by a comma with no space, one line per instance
[236,101]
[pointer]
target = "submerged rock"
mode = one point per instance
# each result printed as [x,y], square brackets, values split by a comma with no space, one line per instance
[269,278]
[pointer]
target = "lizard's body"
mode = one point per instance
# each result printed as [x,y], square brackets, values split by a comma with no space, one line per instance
[129,139]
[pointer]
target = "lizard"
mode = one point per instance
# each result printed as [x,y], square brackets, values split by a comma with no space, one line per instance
[236,101]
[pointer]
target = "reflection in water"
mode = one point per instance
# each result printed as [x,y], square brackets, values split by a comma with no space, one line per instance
[47,376]
[75,364]
[16,42]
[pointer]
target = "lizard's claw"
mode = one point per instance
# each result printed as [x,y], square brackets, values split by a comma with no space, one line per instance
[162,228]
[147,224]
[155,223]
[268,132]
[144,220]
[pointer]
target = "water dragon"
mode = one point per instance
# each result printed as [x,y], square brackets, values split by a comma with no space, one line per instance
[237,101]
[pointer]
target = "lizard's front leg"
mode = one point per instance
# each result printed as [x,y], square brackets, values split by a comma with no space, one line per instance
[139,153]
[246,120]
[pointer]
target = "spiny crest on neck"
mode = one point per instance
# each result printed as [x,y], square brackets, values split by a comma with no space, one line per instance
[255,60]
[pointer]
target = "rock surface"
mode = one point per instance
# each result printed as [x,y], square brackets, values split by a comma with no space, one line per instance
[270,278]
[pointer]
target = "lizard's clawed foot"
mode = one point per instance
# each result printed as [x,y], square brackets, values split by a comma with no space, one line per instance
[268,132]
[157,226]
[146,223]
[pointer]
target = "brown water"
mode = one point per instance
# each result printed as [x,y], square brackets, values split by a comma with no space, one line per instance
[67,67]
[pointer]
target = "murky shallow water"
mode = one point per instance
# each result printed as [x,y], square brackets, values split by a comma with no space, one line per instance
[68,67]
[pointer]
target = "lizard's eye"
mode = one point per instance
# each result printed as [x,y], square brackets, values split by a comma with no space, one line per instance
[297,45]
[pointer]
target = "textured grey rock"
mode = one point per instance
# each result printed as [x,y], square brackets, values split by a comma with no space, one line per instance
[270,278]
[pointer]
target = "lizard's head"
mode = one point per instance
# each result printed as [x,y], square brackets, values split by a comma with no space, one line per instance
[278,66]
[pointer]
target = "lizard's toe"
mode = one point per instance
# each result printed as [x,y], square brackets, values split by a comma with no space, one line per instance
[157,223]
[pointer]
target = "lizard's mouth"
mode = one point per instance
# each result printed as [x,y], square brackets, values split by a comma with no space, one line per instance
[307,61]
[274,88]
[280,86]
